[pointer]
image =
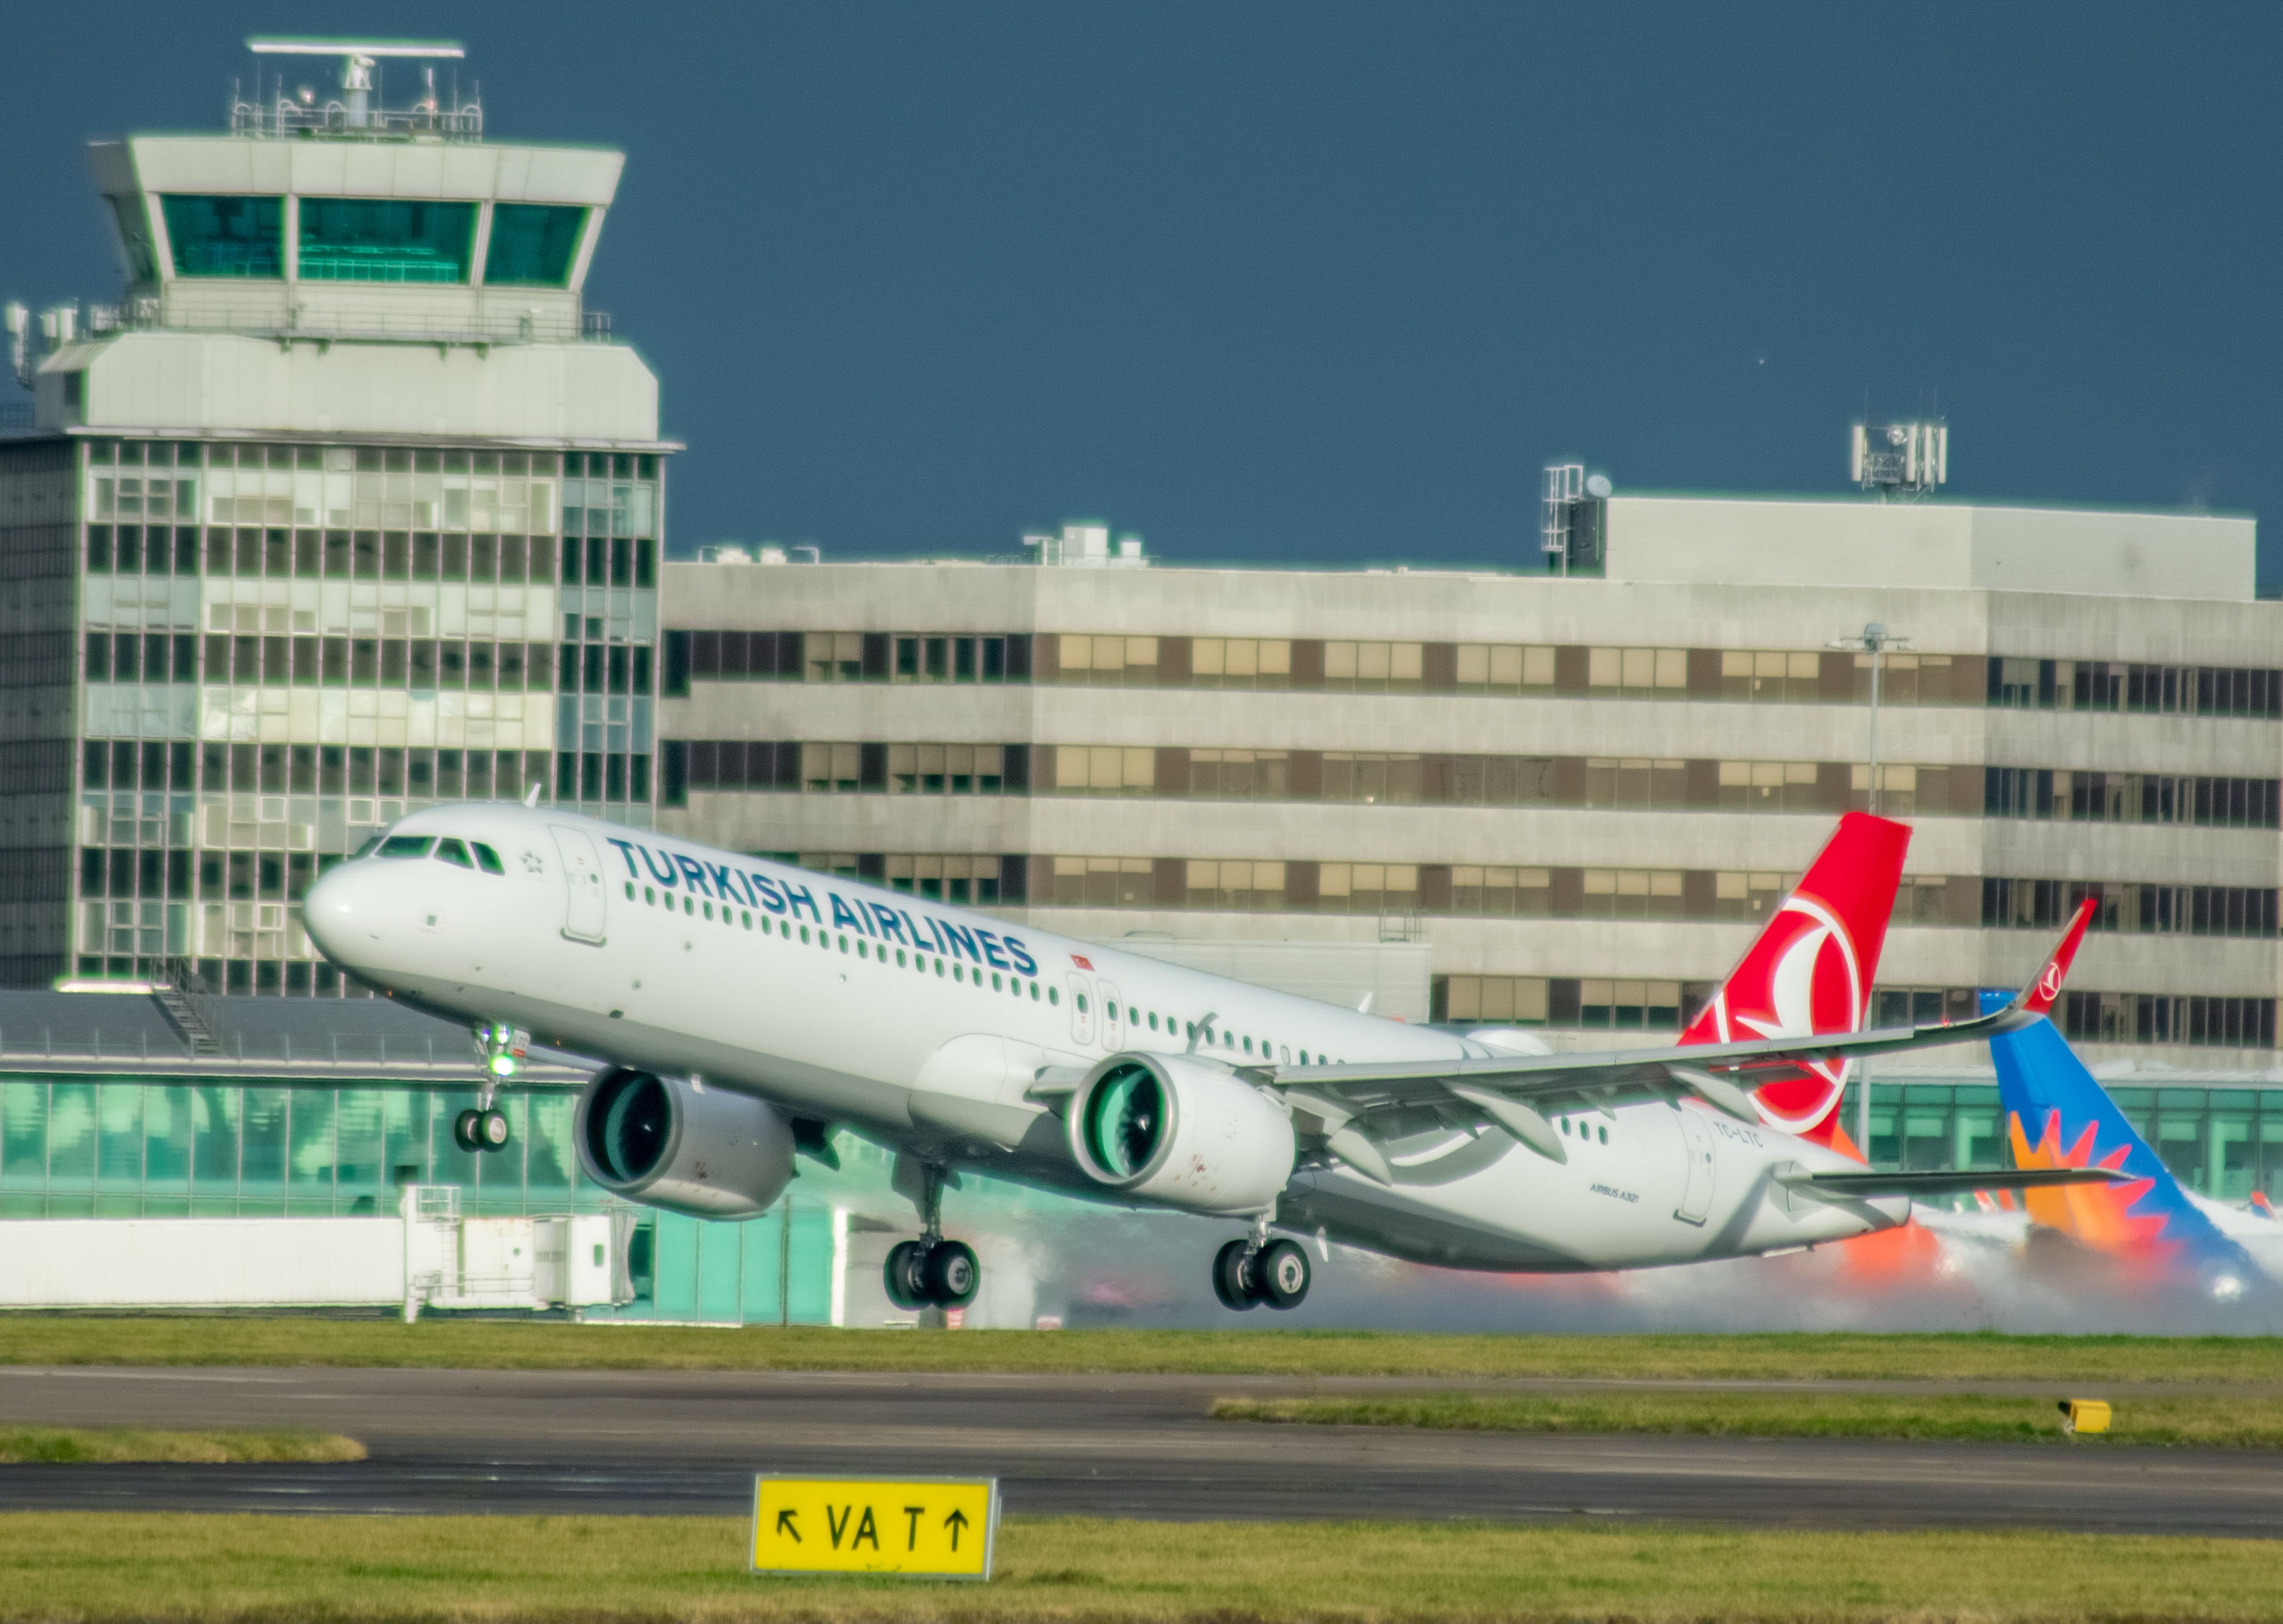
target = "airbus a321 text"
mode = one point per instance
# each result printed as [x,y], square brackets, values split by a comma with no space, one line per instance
[741,1009]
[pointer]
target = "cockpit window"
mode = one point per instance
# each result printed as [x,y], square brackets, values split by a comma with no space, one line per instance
[486,859]
[367,849]
[455,852]
[407,845]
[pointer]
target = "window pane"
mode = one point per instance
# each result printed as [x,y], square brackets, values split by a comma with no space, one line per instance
[531,244]
[385,239]
[225,237]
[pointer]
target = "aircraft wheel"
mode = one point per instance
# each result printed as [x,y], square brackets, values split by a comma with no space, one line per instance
[1282,1269]
[491,1130]
[902,1275]
[951,1274]
[1235,1276]
[463,1130]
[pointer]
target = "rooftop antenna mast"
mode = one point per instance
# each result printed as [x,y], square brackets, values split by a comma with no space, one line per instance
[362,110]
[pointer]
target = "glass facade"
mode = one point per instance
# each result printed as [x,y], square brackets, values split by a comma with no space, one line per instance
[225,236]
[2222,1143]
[385,239]
[131,1147]
[533,245]
[283,647]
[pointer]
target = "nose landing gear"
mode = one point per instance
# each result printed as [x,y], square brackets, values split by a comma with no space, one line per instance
[485,1128]
[1254,1271]
[502,1045]
[932,1272]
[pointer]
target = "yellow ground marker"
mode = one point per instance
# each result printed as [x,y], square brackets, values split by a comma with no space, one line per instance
[918,1527]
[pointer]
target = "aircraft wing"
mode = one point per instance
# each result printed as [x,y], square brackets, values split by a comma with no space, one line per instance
[1506,1089]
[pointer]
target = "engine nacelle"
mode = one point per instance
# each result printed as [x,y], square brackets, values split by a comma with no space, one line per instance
[1165,1129]
[673,1143]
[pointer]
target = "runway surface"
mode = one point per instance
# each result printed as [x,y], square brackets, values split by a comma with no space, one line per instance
[658,1442]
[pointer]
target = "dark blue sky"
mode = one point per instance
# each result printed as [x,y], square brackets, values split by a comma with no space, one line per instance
[1328,283]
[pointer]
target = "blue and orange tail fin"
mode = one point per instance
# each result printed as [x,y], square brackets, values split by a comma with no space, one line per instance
[2057,1115]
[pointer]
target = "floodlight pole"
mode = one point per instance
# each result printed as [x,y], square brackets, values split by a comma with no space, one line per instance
[1874,640]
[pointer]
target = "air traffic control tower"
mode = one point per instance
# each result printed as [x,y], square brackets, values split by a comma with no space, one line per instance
[346,505]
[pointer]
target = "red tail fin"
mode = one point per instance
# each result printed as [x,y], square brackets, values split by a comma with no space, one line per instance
[1811,969]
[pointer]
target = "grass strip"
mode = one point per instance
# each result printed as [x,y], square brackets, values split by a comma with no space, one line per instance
[2255,1424]
[112,1568]
[120,1445]
[494,1345]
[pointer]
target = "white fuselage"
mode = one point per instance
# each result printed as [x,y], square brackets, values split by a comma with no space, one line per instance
[925,1027]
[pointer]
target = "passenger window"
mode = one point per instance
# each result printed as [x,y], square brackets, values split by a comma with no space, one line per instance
[1153,1020]
[746,918]
[1053,995]
[1285,1055]
[1248,1045]
[1605,1136]
[1111,1008]
[709,911]
[488,860]
[1082,1004]
[407,845]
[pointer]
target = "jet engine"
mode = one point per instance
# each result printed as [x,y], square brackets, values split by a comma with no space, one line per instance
[674,1142]
[1165,1129]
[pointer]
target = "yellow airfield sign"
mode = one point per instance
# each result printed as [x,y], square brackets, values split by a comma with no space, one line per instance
[919,1527]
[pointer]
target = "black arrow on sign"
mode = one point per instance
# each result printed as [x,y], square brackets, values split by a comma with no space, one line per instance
[955,1522]
[785,1525]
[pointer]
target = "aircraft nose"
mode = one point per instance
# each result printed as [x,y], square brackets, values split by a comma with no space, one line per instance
[342,912]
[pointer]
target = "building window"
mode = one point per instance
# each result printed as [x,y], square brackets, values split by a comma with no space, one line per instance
[385,239]
[225,236]
[533,245]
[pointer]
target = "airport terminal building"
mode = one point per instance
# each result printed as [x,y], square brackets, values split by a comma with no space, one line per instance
[1582,791]
[349,505]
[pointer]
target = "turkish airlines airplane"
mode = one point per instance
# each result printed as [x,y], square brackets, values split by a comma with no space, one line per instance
[741,1009]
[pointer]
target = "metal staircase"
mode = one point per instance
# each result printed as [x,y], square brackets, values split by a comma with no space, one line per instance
[177,981]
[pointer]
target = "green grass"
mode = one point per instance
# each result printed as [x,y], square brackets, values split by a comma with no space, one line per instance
[494,1345]
[114,1568]
[118,1444]
[2225,1422]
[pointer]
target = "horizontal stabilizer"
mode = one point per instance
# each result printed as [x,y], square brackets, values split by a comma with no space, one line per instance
[1915,1184]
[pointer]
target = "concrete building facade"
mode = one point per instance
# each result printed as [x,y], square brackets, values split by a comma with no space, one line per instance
[1582,793]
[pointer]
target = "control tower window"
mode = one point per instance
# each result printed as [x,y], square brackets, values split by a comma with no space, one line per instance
[135,237]
[531,244]
[225,236]
[385,239]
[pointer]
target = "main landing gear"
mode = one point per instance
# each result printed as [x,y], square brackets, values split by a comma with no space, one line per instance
[502,1046]
[1255,1269]
[932,1272]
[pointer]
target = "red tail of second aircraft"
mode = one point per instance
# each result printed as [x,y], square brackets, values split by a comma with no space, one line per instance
[1811,969]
